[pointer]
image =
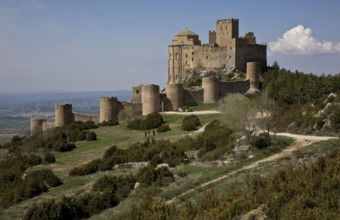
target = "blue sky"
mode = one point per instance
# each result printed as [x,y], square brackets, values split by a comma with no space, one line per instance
[99,45]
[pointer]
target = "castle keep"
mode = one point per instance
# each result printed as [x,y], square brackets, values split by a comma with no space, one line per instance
[224,50]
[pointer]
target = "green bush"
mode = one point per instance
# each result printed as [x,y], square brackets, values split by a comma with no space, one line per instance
[106,192]
[91,136]
[151,121]
[190,123]
[49,158]
[163,128]
[150,175]
[15,186]
[81,136]
[260,142]
[335,118]
[32,160]
[88,168]
[109,123]
[64,147]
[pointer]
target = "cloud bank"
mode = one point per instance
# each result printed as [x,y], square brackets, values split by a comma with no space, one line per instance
[299,40]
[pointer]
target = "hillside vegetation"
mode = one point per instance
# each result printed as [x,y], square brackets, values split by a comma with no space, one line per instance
[159,166]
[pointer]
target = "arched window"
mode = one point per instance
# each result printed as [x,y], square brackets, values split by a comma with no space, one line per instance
[170,55]
[177,57]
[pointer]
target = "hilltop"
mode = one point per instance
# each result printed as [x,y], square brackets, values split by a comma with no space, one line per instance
[184,164]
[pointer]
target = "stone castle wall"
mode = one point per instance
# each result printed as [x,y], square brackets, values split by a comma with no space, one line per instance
[86,117]
[192,98]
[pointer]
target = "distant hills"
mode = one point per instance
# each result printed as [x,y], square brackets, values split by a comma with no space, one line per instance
[24,104]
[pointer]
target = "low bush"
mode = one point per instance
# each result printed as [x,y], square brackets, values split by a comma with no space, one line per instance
[49,158]
[64,147]
[81,136]
[150,175]
[163,128]
[91,136]
[109,123]
[106,192]
[87,168]
[17,186]
[32,160]
[190,123]
[151,121]
[260,142]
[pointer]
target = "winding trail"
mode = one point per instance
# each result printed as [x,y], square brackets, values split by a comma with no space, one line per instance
[300,142]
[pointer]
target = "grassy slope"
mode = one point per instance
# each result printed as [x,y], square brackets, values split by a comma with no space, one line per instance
[122,137]
[86,151]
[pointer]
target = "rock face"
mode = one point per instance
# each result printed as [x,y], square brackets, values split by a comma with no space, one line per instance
[256,214]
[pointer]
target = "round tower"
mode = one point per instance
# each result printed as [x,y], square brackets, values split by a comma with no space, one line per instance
[37,126]
[253,75]
[175,94]
[210,89]
[150,99]
[109,109]
[175,64]
[63,115]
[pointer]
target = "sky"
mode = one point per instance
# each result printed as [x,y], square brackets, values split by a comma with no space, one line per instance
[105,45]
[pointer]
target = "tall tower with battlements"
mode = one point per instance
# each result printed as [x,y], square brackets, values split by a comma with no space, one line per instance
[226,30]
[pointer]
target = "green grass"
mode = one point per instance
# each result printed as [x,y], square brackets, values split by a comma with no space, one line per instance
[205,106]
[197,173]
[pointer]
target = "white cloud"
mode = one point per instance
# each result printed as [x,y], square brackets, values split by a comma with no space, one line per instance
[299,40]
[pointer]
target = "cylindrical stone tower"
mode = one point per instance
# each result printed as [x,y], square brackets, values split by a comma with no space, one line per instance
[150,99]
[253,75]
[37,126]
[175,94]
[175,64]
[210,89]
[63,115]
[109,109]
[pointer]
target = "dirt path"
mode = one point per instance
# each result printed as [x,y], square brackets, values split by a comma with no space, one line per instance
[191,113]
[300,142]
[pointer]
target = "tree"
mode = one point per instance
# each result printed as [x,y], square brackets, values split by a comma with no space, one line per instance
[276,65]
[265,108]
[239,113]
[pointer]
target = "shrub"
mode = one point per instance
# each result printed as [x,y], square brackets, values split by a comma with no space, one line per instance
[190,123]
[32,160]
[91,136]
[81,136]
[88,168]
[64,147]
[163,128]
[109,123]
[103,195]
[335,118]
[152,121]
[135,124]
[49,158]
[260,142]
[150,175]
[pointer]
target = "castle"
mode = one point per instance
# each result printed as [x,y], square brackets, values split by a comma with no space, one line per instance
[224,50]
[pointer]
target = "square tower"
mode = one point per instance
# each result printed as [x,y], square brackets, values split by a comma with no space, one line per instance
[226,30]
